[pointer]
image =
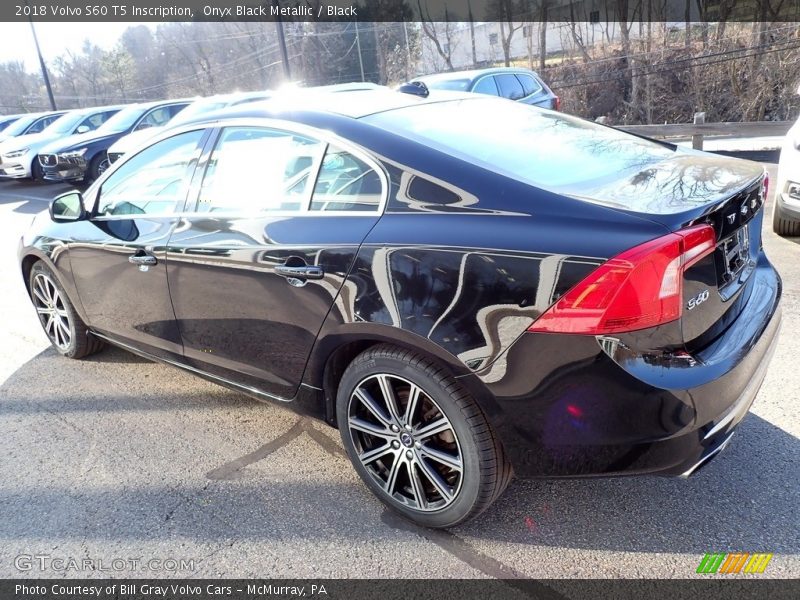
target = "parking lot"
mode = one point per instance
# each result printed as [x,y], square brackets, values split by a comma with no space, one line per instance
[118,458]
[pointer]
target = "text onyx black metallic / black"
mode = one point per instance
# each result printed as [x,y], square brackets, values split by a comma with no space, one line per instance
[462,285]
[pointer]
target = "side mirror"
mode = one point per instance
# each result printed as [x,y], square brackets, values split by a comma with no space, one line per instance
[68,207]
[82,129]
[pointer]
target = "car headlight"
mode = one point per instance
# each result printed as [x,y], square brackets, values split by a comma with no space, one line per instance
[74,153]
[15,153]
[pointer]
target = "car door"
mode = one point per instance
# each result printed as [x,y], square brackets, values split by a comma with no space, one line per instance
[256,265]
[119,263]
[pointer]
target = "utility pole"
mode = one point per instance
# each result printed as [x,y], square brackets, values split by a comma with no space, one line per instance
[360,60]
[41,62]
[287,72]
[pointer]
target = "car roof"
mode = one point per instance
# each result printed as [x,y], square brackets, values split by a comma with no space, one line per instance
[355,103]
[473,73]
[94,109]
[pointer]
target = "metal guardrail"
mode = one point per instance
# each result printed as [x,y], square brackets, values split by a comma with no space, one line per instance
[699,129]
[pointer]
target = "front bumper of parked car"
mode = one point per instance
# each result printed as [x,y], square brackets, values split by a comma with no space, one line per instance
[63,167]
[18,167]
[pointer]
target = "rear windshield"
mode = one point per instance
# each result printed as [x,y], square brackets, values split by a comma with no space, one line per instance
[543,148]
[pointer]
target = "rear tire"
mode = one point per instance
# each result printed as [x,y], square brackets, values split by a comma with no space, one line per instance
[783,226]
[439,464]
[63,327]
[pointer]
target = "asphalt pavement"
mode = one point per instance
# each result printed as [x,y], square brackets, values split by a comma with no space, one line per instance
[118,461]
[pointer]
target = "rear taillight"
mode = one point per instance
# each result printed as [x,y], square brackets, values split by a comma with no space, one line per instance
[556,103]
[640,288]
[765,188]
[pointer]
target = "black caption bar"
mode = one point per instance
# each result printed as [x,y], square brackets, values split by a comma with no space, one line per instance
[711,588]
[400,10]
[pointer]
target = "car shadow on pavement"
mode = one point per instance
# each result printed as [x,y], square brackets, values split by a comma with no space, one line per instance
[109,450]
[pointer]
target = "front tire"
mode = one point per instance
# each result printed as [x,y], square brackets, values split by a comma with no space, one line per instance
[98,166]
[37,173]
[64,328]
[418,439]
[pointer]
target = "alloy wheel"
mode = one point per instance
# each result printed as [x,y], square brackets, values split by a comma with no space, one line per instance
[51,310]
[102,166]
[405,442]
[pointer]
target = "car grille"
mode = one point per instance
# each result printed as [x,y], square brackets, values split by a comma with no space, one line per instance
[47,160]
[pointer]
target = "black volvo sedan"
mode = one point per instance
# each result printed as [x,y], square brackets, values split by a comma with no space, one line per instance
[466,287]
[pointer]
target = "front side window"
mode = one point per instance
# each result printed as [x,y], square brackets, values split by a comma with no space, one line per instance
[486,85]
[155,181]
[256,169]
[155,118]
[39,125]
[345,183]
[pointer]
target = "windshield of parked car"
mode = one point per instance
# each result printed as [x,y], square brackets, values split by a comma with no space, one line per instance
[123,120]
[195,109]
[544,148]
[453,85]
[19,126]
[65,123]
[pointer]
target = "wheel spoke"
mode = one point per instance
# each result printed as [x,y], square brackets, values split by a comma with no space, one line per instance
[39,293]
[431,429]
[448,460]
[370,428]
[394,471]
[375,454]
[417,487]
[434,477]
[50,324]
[62,325]
[367,400]
[389,397]
[413,397]
[44,310]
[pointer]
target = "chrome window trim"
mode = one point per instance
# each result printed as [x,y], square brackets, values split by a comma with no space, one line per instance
[280,124]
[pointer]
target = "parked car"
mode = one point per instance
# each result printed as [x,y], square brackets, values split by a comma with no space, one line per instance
[462,285]
[521,85]
[198,107]
[18,156]
[29,124]
[84,156]
[6,120]
[786,211]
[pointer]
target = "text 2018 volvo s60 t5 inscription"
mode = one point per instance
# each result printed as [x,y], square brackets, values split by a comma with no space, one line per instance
[465,287]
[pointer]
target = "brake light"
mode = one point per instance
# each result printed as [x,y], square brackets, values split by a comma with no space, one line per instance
[556,103]
[765,188]
[640,288]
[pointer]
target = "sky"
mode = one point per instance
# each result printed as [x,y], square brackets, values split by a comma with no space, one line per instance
[16,41]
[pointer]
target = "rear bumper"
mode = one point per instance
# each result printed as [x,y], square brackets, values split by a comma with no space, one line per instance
[565,407]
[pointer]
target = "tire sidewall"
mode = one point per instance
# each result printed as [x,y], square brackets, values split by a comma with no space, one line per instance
[467,496]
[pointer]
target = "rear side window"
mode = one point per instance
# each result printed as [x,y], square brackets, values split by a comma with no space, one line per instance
[529,84]
[345,183]
[486,85]
[510,87]
[256,169]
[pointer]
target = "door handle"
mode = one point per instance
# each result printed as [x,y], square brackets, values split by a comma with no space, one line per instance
[300,272]
[142,259]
